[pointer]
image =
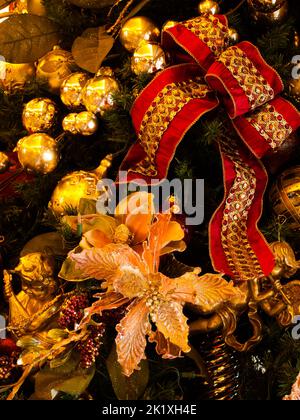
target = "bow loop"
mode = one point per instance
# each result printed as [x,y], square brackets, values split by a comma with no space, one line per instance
[243,79]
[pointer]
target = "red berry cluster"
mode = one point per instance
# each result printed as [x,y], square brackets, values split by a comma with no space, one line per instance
[72,310]
[7,365]
[89,348]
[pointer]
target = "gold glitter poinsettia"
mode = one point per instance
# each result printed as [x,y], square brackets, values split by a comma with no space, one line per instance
[295,393]
[154,298]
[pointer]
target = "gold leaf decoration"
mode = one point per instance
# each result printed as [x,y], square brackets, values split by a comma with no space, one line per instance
[127,388]
[26,38]
[91,48]
[171,322]
[131,340]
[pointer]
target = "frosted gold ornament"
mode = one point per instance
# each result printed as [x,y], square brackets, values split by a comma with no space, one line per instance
[148,58]
[38,153]
[284,198]
[271,15]
[53,68]
[39,115]
[4,162]
[97,95]
[137,30]
[71,89]
[294,89]
[71,189]
[15,76]
[84,123]
[209,6]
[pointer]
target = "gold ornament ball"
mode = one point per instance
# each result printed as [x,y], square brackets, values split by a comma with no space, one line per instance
[39,115]
[266,6]
[136,30]
[71,189]
[234,36]
[69,123]
[84,123]
[38,153]
[284,198]
[97,95]
[53,68]
[4,162]
[209,6]
[148,58]
[15,76]
[272,17]
[71,89]
[294,88]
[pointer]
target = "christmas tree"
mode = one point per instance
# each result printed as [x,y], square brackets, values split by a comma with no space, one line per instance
[102,102]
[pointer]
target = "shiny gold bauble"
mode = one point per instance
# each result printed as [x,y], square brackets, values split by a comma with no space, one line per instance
[53,68]
[266,5]
[169,24]
[275,16]
[136,30]
[209,6]
[97,95]
[15,76]
[285,198]
[234,36]
[148,58]
[71,89]
[4,162]
[294,89]
[39,115]
[38,153]
[71,189]
[84,123]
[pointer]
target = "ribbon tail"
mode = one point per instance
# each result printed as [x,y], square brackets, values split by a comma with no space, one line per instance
[237,247]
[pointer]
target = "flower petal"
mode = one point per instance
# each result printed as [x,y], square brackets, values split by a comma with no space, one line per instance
[164,347]
[131,340]
[106,301]
[97,238]
[172,323]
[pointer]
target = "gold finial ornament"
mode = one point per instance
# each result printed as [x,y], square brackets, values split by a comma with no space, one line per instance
[71,89]
[148,58]
[53,68]
[209,6]
[31,309]
[284,197]
[234,36]
[97,95]
[137,30]
[39,115]
[84,123]
[4,162]
[38,153]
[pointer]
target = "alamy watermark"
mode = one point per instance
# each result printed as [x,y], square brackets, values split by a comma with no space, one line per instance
[188,196]
[2,327]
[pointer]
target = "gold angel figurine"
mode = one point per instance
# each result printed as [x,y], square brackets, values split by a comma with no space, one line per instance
[32,308]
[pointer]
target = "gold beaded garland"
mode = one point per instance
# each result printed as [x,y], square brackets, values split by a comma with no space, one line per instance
[39,115]
[84,123]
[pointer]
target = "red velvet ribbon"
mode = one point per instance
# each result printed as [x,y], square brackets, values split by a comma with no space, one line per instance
[248,88]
